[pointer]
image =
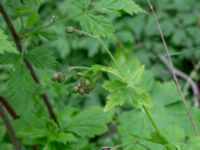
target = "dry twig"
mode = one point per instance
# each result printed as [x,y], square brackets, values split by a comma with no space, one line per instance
[172,70]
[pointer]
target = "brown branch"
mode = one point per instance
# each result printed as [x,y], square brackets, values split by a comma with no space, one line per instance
[184,76]
[28,64]
[9,108]
[9,128]
[35,147]
[191,118]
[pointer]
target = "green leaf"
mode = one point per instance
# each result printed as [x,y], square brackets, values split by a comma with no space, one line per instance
[192,144]
[165,93]
[7,146]
[123,87]
[175,135]
[133,78]
[32,19]
[128,6]
[89,122]
[92,14]
[2,132]
[127,90]
[62,137]
[120,92]
[6,45]
[116,98]
[21,84]
[41,57]
[10,58]
[23,9]
[96,24]
[31,127]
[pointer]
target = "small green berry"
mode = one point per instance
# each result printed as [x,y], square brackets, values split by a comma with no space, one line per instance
[70,29]
[75,89]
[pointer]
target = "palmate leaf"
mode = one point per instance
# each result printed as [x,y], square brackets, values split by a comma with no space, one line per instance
[127,89]
[120,93]
[41,57]
[128,6]
[96,24]
[6,45]
[92,15]
[174,134]
[10,58]
[21,84]
[124,86]
[89,122]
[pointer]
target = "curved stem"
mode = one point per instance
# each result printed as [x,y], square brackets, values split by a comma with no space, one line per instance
[186,86]
[9,129]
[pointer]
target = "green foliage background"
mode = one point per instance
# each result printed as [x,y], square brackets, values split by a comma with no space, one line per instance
[58,35]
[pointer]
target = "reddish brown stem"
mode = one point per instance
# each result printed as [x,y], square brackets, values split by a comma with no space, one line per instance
[28,64]
[9,108]
[9,128]
[35,147]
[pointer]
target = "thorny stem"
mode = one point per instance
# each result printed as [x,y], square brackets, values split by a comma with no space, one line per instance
[9,108]
[172,70]
[9,129]
[28,64]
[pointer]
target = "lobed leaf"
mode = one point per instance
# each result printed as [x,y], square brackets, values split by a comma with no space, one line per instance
[89,122]
[41,57]
[6,45]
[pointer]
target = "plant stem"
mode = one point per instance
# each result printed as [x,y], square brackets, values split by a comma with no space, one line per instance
[9,129]
[151,120]
[102,43]
[143,145]
[78,67]
[28,64]
[109,53]
[171,68]
[9,108]
[155,125]
[186,86]
[45,26]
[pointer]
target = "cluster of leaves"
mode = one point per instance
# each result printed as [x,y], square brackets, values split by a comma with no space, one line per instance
[127,84]
[76,127]
[123,86]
